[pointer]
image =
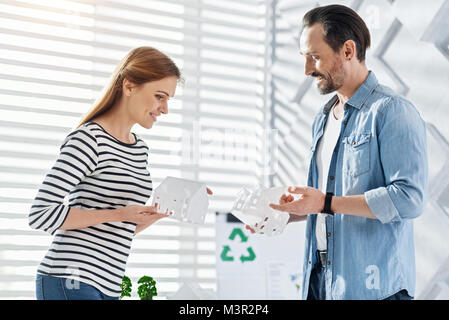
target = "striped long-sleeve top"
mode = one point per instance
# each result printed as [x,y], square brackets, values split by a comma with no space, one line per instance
[95,171]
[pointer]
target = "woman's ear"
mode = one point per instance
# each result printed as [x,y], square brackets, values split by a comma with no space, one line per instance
[127,87]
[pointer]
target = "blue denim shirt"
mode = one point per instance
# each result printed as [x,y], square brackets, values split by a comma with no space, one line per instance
[381,152]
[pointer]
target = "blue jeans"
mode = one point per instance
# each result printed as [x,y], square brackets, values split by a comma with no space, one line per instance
[317,285]
[54,288]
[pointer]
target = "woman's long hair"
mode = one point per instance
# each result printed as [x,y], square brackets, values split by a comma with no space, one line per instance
[141,65]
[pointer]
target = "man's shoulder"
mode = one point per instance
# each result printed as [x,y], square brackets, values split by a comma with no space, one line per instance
[384,99]
[382,94]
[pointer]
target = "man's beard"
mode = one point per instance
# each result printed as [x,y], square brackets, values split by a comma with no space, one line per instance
[333,81]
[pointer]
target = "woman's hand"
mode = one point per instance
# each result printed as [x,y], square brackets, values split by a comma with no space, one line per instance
[144,216]
[140,214]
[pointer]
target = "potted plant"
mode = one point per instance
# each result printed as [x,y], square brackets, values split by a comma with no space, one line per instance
[126,287]
[146,290]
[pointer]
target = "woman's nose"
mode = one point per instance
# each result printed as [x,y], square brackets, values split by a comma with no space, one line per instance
[163,108]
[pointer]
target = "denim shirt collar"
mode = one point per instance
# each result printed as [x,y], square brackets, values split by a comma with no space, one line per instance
[360,95]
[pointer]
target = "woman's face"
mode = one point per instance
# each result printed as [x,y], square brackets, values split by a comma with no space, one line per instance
[147,102]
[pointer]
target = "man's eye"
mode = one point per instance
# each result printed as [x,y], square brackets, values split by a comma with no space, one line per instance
[159,97]
[315,58]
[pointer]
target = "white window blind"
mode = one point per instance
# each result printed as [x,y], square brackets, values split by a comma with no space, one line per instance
[55,58]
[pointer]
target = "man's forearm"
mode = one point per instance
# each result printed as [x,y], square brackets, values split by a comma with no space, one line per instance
[352,205]
[296,218]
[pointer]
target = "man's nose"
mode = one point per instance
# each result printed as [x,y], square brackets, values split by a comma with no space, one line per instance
[309,67]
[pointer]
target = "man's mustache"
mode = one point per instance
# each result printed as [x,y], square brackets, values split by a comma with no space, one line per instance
[317,74]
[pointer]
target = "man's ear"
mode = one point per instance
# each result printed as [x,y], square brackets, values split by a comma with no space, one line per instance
[349,50]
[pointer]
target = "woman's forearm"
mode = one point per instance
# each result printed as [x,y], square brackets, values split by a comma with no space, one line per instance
[79,218]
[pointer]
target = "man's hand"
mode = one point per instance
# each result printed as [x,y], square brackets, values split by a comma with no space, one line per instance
[285,198]
[310,202]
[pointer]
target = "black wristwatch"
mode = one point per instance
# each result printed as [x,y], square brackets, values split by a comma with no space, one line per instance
[327,203]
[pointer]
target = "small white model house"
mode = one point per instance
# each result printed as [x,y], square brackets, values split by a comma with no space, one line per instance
[252,208]
[193,291]
[182,199]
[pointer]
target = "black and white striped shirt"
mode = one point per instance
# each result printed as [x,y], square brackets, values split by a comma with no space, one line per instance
[96,171]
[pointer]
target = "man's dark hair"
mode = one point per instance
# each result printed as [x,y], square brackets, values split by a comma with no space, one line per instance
[340,24]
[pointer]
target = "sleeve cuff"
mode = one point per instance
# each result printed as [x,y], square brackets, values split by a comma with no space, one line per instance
[65,212]
[380,203]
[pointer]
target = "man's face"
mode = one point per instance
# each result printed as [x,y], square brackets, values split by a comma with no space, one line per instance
[322,62]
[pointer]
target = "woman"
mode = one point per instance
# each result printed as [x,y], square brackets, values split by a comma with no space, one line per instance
[102,167]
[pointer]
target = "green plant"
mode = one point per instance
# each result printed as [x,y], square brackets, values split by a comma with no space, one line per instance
[147,289]
[126,287]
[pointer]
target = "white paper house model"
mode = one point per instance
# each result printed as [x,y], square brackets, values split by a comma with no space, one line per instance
[252,207]
[193,291]
[182,199]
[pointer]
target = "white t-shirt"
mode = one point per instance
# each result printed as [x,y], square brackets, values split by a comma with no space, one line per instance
[324,152]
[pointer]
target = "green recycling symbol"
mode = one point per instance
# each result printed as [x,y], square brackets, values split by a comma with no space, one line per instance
[226,249]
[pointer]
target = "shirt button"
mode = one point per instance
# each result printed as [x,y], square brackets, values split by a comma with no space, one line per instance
[331,177]
[328,234]
[328,263]
[345,122]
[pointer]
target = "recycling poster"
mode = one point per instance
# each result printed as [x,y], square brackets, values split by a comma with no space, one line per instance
[255,266]
[236,235]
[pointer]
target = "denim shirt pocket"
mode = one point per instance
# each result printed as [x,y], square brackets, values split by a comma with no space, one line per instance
[357,154]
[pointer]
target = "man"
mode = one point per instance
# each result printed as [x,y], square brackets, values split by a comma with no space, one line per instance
[368,171]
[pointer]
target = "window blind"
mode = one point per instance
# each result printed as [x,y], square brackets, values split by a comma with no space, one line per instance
[56,57]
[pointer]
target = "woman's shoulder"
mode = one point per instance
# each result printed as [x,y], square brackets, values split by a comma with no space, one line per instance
[83,133]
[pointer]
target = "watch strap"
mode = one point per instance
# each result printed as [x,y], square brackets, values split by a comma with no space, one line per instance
[327,203]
